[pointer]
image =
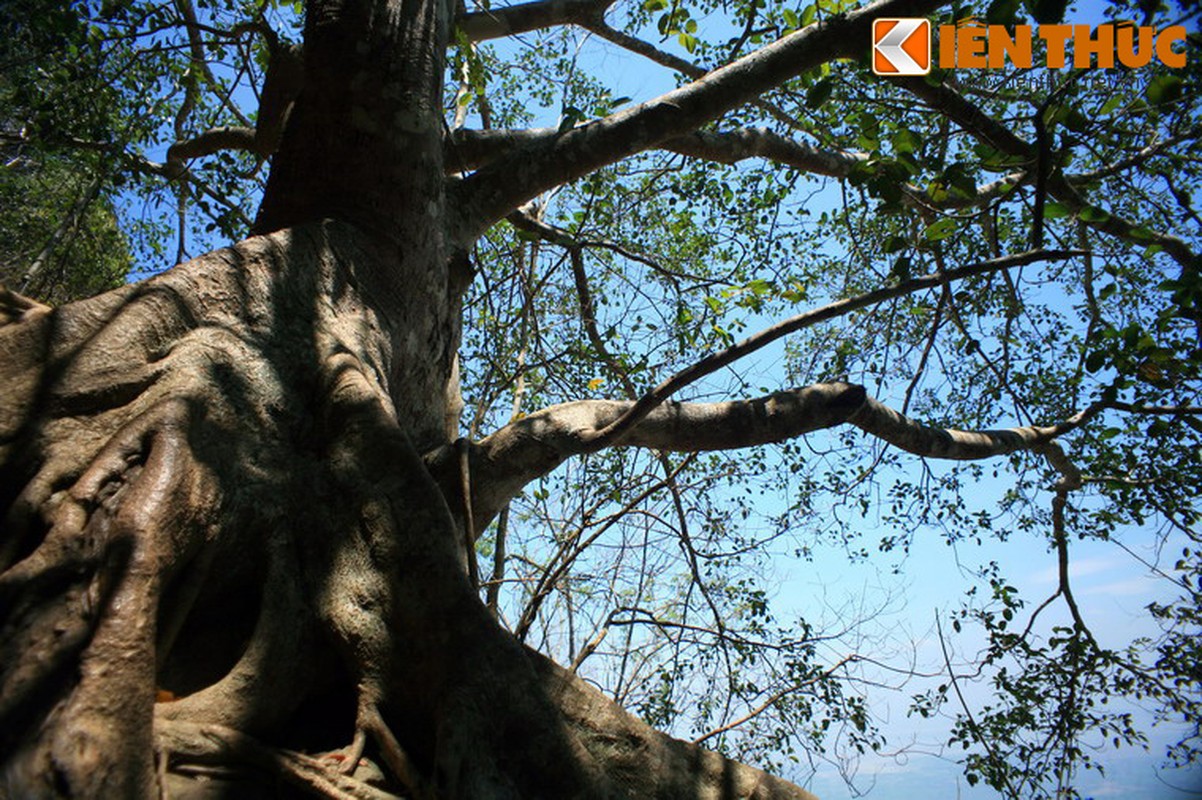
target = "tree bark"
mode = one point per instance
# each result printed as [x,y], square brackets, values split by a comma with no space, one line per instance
[220,499]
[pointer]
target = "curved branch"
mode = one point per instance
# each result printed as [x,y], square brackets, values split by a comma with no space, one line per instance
[224,137]
[495,23]
[948,443]
[531,447]
[281,85]
[715,361]
[494,191]
[528,448]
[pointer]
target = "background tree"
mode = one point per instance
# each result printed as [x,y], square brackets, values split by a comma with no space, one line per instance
[317,510]
[61,240]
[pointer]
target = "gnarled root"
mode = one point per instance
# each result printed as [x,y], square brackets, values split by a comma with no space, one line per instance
[80,610]
[183,744]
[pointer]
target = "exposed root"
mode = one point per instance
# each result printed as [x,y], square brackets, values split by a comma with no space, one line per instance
[183,744]
[369,721]
[87,598]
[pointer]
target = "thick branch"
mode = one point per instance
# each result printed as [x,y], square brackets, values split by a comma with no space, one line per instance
[474,149]
[494,191]
[531,447]
[739,145]
[534,445]
[225,137]
[956,445]
[494,23]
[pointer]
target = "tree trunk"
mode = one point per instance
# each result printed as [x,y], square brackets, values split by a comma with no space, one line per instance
[220,542]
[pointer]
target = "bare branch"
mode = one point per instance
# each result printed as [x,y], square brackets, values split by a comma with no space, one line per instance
[494,191]
[225,137]
[534,445]
[474,149]
[735,146]
[614,432]
[947,443]
[531,447]
[495,23]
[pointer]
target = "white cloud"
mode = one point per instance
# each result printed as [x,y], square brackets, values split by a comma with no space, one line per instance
[1079,569]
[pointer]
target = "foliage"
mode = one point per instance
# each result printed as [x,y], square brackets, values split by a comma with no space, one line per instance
[59,236]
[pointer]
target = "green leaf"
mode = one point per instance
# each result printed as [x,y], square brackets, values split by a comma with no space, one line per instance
[1164,89]
[1047,12]
[1054,210]
[941,229]
[1002,12]
[906,141]
[819,93]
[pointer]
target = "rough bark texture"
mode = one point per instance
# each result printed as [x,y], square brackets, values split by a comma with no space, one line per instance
[213,491]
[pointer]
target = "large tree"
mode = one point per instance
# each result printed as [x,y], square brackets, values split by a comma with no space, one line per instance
[242,522]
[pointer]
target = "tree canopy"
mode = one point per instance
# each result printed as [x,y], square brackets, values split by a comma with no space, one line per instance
[720,298]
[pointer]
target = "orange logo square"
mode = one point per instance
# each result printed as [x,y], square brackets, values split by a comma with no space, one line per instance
[901,46]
